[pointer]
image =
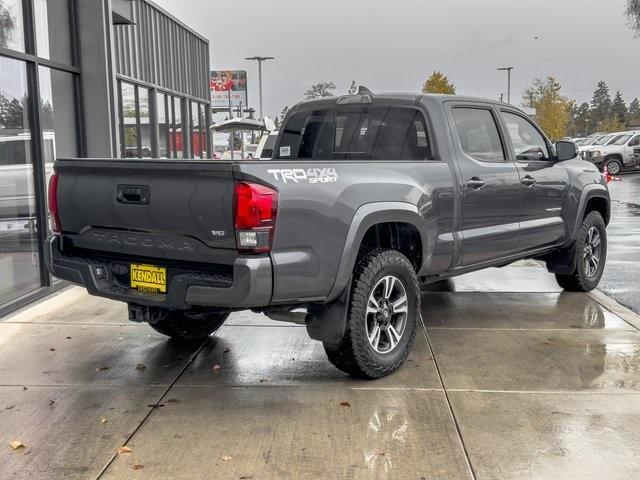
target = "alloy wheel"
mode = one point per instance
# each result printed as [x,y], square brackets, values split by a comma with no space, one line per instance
[386,316]
[592,252]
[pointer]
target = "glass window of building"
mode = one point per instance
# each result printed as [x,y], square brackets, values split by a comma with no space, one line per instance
[129,121]
[145,122]
[53,43]
[163,126]
[196,149]
[11,25]
[57,115]
[19,262]
[203,130]
[177,141]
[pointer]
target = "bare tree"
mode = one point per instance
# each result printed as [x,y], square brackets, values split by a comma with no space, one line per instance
[320,90]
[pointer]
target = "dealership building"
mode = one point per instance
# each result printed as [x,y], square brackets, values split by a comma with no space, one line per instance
[87,78]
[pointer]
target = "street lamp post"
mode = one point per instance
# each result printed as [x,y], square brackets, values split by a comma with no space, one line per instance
[508,69]
[260,60]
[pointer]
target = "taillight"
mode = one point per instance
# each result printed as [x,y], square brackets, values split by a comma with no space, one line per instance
[256,207]
[54,217]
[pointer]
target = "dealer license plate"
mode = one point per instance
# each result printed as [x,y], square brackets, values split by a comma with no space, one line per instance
[148,278]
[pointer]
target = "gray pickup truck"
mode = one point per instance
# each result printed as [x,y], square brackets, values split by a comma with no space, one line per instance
[367,198]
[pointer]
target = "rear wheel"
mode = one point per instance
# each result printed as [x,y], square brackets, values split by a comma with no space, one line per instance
[590,255]
[188,325]
[382,316]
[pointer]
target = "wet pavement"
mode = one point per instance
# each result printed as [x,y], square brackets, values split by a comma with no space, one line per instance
[510,379]
[621,279]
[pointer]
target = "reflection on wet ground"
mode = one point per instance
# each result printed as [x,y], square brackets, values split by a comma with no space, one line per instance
[621,279]
[534,382]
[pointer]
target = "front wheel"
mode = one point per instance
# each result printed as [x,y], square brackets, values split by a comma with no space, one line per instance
[382,316]
[614,167]
[188,325]
[590,255]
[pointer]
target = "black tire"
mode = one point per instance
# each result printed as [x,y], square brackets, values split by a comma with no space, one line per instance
[355,354]
[581,279]
[614,166]
[188,325]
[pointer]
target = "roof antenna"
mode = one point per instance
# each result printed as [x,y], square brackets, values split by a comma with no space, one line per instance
[362,90]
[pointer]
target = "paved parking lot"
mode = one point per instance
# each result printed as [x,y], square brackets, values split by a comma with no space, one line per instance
[511,379]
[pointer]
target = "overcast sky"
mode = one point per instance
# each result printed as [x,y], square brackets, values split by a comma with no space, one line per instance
[395,45]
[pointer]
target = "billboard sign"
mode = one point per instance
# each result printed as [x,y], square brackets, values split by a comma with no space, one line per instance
[223,83]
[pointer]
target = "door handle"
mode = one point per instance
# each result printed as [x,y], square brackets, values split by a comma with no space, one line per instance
[475,183]
[528,181]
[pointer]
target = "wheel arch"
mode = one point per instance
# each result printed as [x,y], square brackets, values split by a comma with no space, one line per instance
[400,215]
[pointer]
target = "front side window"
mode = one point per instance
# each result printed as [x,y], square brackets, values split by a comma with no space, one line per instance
[528,143]
[356,133]
[635,141]
[478,134]
[621,140]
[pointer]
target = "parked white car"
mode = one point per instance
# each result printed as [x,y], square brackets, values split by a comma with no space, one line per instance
[617,154]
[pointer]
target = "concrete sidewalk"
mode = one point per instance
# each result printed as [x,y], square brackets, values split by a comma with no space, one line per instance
[509,379]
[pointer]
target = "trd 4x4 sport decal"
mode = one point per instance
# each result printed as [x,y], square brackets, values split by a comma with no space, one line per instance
[308,175]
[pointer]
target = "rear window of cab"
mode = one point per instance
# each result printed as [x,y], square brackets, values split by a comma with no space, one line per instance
[355,133]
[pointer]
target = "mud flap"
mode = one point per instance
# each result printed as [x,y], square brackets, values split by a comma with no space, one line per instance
[562,261]
[330,320]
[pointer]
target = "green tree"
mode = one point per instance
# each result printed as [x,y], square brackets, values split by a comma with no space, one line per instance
[553,110]
[320,90]
[634,110]
[633,15]
[601,103]
[619,108]
[580,119]
[438,83]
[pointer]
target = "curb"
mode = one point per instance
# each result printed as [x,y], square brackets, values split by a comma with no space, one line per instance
[610,304]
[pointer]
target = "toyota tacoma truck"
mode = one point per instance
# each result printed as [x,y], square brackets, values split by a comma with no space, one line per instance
[367,198]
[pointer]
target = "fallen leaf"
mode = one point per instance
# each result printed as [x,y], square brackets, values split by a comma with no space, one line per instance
[52,349]
[140,366]
[345,404]
[103,420]
[9,407]
[24,388]
[216,367]
[104,367]
[124,449]
[226,458]
[68,338]
[172,400]
[380,452]
[226,350]
[137,466]
[16,444]
[262,380]
[52,403]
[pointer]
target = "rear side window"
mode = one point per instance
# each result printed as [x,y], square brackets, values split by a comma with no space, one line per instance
[356,133]
[269,143]
[478,134]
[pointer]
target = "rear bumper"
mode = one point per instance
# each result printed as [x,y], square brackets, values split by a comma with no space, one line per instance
[248,286]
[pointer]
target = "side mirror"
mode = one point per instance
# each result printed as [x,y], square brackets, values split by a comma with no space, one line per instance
[565,150]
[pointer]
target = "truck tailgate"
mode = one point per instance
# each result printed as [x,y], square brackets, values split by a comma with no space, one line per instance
[176,209]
